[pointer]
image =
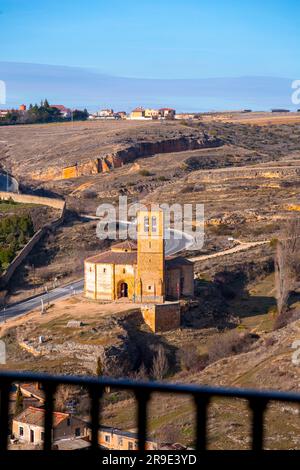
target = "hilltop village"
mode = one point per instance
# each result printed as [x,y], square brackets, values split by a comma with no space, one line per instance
[73,303]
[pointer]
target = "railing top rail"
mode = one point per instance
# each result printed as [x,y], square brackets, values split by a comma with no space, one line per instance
[196,390]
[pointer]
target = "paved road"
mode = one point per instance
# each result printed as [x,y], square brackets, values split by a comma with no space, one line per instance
[28,305]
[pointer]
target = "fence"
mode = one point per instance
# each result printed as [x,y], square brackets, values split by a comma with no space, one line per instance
[257,400]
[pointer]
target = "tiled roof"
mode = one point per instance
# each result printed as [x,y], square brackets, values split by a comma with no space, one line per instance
[61,107]
[33,390]
[36,417]
[174,262]
[130,257]
[127,245]
[114,257]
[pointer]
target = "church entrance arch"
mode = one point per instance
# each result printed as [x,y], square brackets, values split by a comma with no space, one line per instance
[123,289]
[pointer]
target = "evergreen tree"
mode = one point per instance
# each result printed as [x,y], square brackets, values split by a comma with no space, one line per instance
[19,401]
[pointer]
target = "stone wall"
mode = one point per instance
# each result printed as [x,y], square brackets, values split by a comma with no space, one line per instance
[162,317]
[272,172]
[29,199]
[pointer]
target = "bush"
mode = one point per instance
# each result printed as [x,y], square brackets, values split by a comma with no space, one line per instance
[190,360]
[162,178]
[15,231]
[145,173]
[229,343]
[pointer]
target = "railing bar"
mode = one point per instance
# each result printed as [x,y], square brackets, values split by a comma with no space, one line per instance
[142,401]
[95,395]
[49,389]
[201,422]
[5,390]
[123,384]
[258,408]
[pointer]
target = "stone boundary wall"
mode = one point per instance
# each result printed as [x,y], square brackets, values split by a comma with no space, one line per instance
[248,172]
[59,204]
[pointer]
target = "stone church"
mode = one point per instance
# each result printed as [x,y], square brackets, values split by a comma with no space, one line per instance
[140,272]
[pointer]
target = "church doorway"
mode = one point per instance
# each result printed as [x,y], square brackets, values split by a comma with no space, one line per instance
[123,289]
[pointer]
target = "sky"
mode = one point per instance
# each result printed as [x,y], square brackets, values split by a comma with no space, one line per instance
[156,38]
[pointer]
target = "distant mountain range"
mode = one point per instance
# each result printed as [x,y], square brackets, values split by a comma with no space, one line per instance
[78,87]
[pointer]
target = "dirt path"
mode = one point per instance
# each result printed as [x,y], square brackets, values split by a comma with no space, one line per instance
[242,246]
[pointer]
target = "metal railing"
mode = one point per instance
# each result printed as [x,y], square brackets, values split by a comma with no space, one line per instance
[257,400]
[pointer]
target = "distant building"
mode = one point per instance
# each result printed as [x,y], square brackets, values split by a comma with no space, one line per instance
[63,111]
[72,443]
[116,439]
[167,113]
[185,116]
[105,113]
[151,113]
[280,110]
[4,113]
[137,113]
[121,114]
[28,426]
[33,390]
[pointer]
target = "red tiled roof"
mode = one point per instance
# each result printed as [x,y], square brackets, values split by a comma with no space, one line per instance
[127,245]
[61,107]
[36,416]
[32,389]
[130,257]
[114,257]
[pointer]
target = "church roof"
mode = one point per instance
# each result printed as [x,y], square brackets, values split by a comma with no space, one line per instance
[130,257]
[127,245]
[176,261]
[114,257]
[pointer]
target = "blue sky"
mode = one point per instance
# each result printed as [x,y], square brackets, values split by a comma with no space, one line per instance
[156,38]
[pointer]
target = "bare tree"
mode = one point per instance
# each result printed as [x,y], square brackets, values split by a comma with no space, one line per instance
[160,364]
[64,393]
[141,374]
[168,434]
[287,266]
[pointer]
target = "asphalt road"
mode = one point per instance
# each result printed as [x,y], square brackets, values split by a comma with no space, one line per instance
[36,302]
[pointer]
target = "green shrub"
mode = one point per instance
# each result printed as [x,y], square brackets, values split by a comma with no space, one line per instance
[15,231]
[145,173]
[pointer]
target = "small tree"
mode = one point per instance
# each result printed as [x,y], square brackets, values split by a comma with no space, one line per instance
[160,364]
[99,367]
[287,262]
[19,401]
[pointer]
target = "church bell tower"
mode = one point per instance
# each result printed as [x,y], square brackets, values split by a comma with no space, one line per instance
[150,256]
